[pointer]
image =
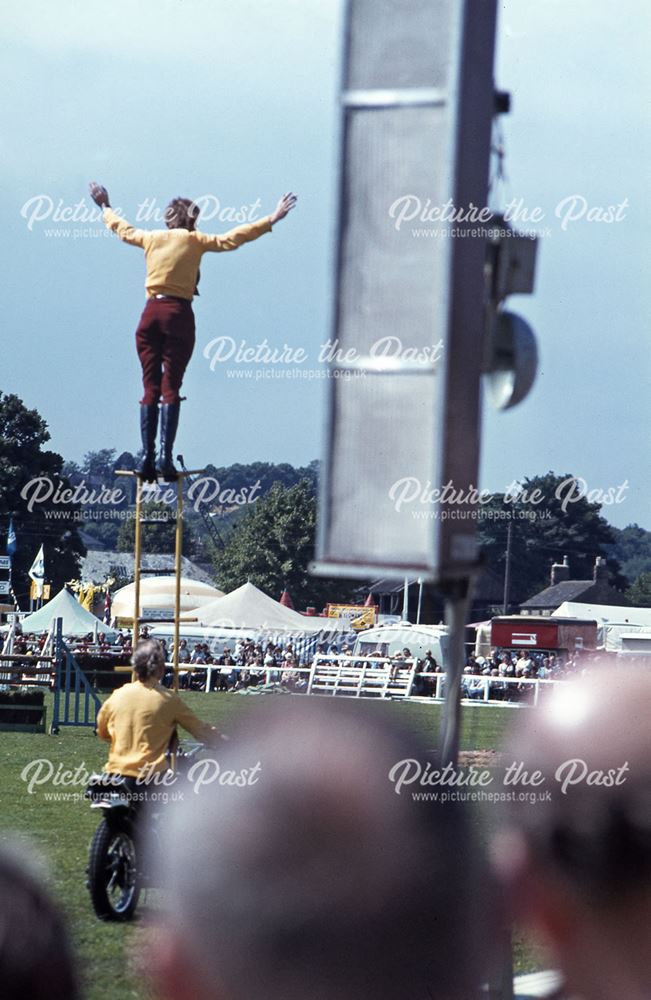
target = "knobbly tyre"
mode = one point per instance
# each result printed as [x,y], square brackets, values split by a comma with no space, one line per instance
[117,866]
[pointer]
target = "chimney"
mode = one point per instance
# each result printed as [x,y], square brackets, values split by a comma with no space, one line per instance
[601,571]
[560,571]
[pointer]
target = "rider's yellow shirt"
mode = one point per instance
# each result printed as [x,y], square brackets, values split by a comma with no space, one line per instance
[173,255]
[138,721]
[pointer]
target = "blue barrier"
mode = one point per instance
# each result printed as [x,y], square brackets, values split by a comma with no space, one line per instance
[75,701]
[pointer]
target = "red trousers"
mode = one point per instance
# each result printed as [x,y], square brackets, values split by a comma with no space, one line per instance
[165,341]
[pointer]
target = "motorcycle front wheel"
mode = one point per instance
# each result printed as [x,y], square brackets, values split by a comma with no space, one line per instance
[113,873]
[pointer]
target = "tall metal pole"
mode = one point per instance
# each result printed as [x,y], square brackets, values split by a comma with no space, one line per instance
[177,571]
[507,569]
[457,603]
[405,601]
[137,557]
[58,668]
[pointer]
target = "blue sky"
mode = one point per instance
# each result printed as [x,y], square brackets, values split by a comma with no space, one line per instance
[237,101]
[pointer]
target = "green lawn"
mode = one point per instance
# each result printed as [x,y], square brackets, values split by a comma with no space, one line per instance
[61,830]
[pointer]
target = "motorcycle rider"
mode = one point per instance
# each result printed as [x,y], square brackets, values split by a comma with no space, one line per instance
[140,718]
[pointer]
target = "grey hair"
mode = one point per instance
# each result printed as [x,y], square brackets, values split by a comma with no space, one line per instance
[148,658]
[340,888]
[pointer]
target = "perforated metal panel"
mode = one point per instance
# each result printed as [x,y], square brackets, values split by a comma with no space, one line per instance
[399,43]
[404,390]
[391,282]
[398,417]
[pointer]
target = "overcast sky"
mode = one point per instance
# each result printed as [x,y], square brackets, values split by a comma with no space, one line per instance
[237,101]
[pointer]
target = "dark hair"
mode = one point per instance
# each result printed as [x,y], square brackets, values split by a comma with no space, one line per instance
[601,843]
[181,213]
[35,954]
[148,658]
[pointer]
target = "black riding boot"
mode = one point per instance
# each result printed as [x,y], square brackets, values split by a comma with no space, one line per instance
[168,424]
[148,428]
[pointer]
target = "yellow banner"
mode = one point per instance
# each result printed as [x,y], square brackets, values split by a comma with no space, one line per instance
[359,615]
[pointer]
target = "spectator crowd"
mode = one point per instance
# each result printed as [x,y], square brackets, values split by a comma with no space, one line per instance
[503,668]
[244,664]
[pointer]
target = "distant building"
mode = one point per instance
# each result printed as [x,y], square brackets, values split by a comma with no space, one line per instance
[595,591]
[388,595]
[98,565]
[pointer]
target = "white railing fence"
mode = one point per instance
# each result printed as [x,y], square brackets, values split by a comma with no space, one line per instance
[381,677]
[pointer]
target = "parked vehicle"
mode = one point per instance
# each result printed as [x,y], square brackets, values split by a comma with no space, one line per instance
[419,639]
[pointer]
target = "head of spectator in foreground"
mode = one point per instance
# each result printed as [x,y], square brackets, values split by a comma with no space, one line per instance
[149,661]
[317,879]
[579,865]
[35,956]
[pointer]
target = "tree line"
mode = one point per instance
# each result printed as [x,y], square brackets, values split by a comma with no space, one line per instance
[271,541]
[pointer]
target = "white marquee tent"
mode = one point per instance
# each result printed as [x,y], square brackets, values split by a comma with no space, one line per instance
[606,614]
[157,594]
[77,620]
[247,607]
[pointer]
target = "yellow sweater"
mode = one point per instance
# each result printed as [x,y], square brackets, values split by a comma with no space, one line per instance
[138,720]
[173,255]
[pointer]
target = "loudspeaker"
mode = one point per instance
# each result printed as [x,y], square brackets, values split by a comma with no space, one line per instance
[417,101]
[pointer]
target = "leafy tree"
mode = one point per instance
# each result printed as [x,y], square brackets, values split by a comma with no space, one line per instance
[96,473]
[545,527]
[273,545]
[158,531]
[102,533]
[632,547]
[23,459]
[125,460]
[99,466]
[237,476]
[640,592]
[72,471]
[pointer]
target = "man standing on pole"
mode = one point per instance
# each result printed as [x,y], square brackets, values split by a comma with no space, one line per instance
[165,335]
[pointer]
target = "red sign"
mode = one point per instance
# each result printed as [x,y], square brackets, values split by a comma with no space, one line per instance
[543,633]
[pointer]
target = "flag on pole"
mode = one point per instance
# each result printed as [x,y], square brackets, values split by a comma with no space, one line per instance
[12,542]
[37,571]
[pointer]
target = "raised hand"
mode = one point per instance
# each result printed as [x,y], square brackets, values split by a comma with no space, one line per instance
[284,206]
[99,194]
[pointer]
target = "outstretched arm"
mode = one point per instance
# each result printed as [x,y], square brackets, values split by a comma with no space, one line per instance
[251,231]
[126,232]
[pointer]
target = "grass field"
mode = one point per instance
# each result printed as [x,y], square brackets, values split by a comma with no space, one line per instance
[61,830]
